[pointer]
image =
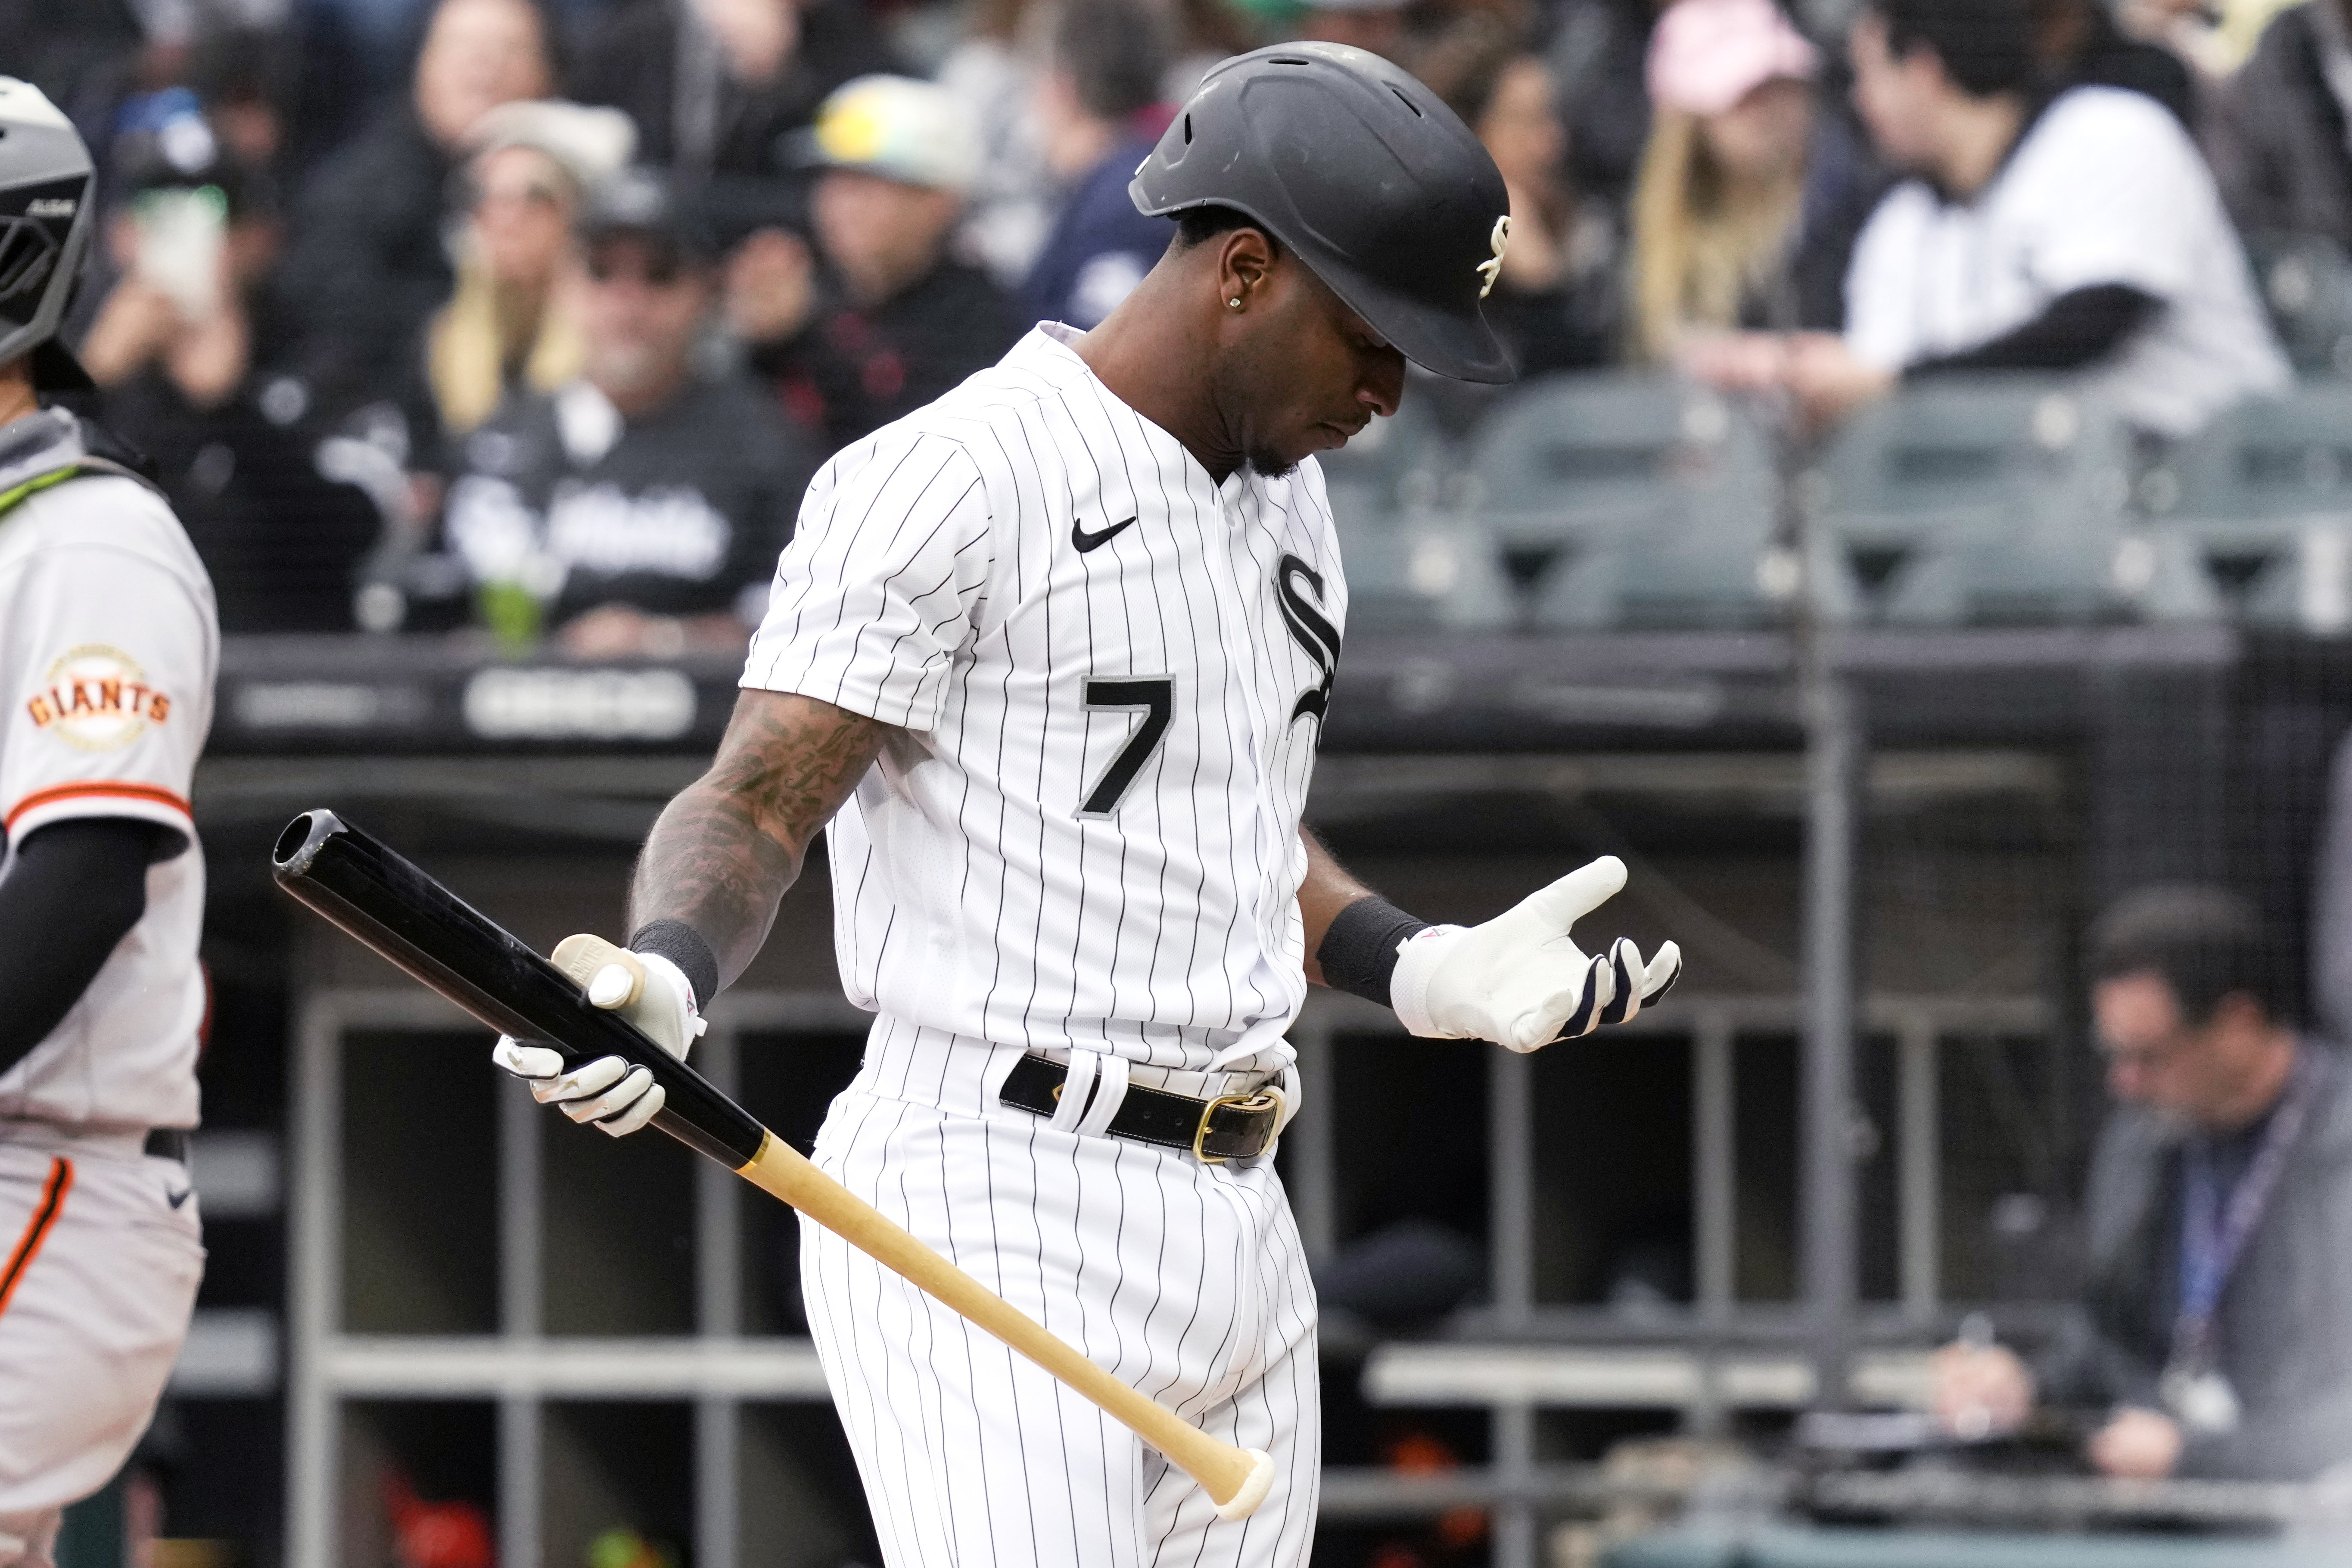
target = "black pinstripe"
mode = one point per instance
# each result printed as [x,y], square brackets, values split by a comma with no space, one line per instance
[932,585]
[975,1458]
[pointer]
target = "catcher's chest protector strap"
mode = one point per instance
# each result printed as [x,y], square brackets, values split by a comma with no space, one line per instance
[84,465]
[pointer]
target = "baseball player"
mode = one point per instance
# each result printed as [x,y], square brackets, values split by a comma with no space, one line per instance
[108,645]
[1049,661]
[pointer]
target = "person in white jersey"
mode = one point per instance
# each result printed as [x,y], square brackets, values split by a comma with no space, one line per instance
[2079,234]
[1049,661]
[109,642]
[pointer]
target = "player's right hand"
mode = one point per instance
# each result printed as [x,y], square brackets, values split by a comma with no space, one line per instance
[647,990]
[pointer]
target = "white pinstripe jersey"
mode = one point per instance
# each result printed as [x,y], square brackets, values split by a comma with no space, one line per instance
[1107,672]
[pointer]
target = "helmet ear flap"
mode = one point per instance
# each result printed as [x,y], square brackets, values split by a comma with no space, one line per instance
[54,365]
[54,369]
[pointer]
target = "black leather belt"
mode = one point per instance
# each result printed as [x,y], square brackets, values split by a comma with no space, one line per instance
[169,1143]
[1230,1127]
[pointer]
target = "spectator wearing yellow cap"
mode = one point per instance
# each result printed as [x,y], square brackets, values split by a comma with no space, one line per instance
[883,318]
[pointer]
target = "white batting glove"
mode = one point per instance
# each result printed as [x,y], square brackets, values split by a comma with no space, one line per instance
[1519,981]
[647,990]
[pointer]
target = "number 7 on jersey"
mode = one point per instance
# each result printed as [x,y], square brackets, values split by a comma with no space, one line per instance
[1156,700]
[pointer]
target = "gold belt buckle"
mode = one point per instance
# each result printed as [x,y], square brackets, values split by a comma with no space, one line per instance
[1256,1100]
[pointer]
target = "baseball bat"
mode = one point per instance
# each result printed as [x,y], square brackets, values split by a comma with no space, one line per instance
[396,910]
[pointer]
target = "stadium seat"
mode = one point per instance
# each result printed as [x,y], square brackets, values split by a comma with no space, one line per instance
[1409,567]
[2262,499]
[2305,282]
[1980,500]
[1419,571]
[1626,499]
[1393,465]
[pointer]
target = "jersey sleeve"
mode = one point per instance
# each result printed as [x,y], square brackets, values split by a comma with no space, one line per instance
[875,593]
[1880,322]
[2121,195]
[109,658]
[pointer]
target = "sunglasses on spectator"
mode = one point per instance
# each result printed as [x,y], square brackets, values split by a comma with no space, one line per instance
[657,270]
[537,193]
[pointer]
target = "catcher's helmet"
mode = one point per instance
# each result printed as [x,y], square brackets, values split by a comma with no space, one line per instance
[1380,188]
[46,218]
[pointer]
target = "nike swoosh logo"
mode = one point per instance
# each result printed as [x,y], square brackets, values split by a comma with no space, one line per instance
[1086,541]
[179,1197]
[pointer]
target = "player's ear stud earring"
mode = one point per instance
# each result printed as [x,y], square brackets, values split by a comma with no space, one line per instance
[1235,302]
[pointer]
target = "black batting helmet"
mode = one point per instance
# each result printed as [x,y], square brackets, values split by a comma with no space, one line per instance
[45,228]
[1380,188]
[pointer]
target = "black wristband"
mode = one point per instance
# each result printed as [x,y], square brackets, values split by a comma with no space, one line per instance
[682,945]
[1360,951]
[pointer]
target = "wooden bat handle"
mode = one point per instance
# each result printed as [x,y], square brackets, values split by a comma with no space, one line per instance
[1236,1479]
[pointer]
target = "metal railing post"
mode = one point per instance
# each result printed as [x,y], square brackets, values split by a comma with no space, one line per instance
[1314,1184]
[1826,1224]
[1517,1524]
[1716,1228]
[1829,1266]
[522,1212]
[313,1420]
[1920,1169]
[1512,1175]
[1510,1132]
[718,1314]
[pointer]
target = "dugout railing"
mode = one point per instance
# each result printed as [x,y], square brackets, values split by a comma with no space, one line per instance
[2138,751]
[1553,673]
[1512,1357]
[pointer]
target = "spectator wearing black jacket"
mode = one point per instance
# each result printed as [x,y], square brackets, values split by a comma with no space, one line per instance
[2277,135]
[1555,301]
[2079,233]
[367,266]
[883,320]
[638,509]
[1098,105]
[1596,53]
[715,86]
[2213,1329]
[184,346]
[2078,43]
[60,47]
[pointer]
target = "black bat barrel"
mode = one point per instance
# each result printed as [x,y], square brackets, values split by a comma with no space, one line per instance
[397,911]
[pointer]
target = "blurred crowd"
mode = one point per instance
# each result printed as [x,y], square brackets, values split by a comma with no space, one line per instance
[535,316]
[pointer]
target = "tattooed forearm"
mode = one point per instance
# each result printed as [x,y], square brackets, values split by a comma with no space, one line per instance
[724,851]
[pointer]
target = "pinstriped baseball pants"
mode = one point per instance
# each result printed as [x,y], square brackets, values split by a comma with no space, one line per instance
[1186,1280]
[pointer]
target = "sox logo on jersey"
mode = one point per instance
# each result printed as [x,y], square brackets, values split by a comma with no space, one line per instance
[1312,631]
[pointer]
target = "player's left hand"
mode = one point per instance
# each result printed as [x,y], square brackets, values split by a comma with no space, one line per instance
[608,1092]
[1519,980]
